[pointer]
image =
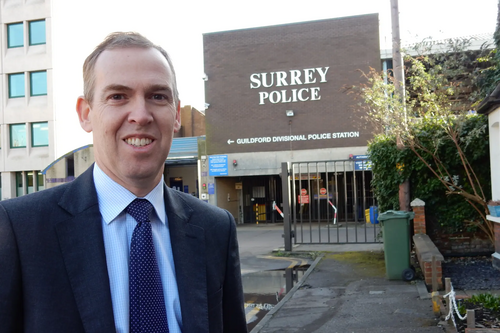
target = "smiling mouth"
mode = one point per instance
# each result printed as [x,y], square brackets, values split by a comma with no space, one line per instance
[138,142]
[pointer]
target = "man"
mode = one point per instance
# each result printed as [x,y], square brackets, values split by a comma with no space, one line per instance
[64,252]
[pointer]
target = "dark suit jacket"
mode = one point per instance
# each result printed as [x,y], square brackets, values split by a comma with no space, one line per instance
[53,274]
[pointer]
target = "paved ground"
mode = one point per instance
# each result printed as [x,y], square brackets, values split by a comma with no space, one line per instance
[339,296]
[336,295]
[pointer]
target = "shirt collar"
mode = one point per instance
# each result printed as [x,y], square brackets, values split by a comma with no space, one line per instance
[114,198]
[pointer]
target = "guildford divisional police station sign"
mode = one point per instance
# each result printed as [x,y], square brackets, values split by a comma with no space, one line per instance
[287,138]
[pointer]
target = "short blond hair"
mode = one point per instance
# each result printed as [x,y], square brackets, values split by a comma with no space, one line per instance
[118,40]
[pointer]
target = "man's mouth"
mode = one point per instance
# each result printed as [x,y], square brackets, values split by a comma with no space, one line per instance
[138,142]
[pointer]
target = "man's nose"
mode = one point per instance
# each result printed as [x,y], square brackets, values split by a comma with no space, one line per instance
[139,112]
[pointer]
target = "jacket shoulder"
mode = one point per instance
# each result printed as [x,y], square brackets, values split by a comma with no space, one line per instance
[51,195]
[186,204]
[72,197]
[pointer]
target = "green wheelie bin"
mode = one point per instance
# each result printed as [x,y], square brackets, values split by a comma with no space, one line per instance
[396,235]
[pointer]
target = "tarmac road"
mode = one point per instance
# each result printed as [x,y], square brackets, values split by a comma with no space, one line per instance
[256,243]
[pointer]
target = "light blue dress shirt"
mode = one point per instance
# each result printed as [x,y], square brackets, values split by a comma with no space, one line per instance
[118,227]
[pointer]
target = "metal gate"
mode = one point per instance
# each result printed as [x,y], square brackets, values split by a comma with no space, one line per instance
[329,202]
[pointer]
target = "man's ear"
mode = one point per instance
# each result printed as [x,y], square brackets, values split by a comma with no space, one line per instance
[177,124]
[83,110]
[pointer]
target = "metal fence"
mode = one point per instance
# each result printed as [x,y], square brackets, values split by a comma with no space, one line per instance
[331,202]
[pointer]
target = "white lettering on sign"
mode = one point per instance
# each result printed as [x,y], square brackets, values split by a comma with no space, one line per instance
[253,140]
[287,138]
[291,78]
[292,95]
[299,137]
[319,136]
[342,135]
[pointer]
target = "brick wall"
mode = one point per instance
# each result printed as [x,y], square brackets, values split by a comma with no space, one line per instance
[418,207]
[192,122]
[344,45]
[463,245]
[428,273]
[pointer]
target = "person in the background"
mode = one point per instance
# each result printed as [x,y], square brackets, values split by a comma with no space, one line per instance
[116,250]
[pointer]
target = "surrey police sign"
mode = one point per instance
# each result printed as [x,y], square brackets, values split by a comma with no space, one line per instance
[286,83]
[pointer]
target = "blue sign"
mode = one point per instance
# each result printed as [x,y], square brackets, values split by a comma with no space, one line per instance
[217,165]
[211,188]
[361,162]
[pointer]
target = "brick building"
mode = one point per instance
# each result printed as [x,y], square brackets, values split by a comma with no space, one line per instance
[274,94]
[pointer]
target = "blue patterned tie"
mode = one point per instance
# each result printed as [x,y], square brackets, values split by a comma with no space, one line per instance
[147,303]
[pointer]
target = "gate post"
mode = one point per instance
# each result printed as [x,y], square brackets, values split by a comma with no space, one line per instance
[285,183]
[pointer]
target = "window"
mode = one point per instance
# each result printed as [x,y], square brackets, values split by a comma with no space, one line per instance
[18,136]
[15,35]
[29,182]
[37,32]
[40,134]
[16,85]
[38,83]
[19,184]
[39,182]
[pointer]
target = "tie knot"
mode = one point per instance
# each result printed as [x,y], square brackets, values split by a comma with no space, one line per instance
[140,210]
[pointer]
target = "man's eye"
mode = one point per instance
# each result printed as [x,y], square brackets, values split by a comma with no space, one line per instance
[159,97]
[116,97]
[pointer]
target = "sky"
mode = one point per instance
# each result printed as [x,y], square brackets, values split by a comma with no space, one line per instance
[178,26]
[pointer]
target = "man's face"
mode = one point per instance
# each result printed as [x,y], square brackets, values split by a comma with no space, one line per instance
[133,116]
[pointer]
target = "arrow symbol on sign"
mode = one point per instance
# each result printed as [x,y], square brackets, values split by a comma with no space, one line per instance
[230,141]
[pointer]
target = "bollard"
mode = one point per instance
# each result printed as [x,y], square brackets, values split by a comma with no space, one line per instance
[471,319]
[434,274]
[447,283]
[257,213]
[435,303]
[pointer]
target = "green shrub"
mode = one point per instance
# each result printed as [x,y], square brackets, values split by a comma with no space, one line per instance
[392,166]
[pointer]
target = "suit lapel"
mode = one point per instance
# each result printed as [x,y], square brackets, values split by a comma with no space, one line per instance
[82,248]
[188,246]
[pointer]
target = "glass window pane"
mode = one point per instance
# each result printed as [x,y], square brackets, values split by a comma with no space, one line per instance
[40,185]
[19,184]
[37,32]
[15,35]
[38,83]
[18,136]
[16,85]
[29,182]
[40,134]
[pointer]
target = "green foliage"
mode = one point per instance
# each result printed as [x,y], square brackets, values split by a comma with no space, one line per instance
[484,301]
[385,158]
[428,136]
[391,166]
[487,301]
[490,74]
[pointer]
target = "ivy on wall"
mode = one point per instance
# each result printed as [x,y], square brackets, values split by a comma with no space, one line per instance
[391,166]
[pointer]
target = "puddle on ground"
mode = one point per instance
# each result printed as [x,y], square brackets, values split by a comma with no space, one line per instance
[263,290]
